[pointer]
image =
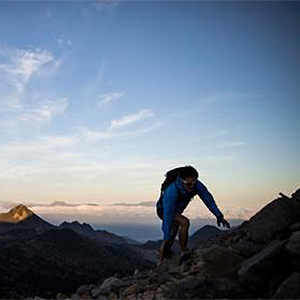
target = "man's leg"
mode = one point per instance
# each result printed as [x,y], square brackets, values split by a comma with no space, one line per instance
[184,224]
[174,231]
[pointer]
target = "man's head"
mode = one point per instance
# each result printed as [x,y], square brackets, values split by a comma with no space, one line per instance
[188,176]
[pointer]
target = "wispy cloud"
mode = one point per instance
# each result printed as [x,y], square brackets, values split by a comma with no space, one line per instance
[23,64]
[109,97]
[20,106]
[43,112]
[124,121]
[19,67]
[231,145]
[25,117]
[94,136]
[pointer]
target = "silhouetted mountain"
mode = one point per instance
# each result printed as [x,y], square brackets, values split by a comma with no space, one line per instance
[59,260]
[39,258]
[203,234]
[100,235]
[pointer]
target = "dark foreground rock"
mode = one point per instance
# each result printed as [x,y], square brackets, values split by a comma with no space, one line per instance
[257,260]
[290,288]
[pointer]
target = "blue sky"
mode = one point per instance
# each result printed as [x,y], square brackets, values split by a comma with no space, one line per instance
[99,99]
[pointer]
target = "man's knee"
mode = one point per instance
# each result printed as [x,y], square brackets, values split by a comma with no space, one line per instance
[183,221]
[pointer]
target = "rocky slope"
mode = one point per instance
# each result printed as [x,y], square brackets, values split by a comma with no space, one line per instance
[259,259]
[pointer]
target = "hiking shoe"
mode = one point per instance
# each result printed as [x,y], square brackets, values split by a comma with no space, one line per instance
[185,256]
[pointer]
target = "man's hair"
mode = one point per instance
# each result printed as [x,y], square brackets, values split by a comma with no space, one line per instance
[188,171]
[182,172]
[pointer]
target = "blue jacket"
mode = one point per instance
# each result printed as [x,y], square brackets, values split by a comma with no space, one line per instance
[176,198]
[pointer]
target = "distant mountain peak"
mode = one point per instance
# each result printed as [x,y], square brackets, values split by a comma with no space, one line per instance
[24,218]
[77,226]
[16,214]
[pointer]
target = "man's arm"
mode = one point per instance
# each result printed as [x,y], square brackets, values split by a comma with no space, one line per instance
[169,199]
[209,201]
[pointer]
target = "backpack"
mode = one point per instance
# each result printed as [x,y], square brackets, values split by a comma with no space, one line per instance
[170,177]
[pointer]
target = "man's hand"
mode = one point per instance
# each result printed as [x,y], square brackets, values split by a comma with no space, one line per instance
[223,222]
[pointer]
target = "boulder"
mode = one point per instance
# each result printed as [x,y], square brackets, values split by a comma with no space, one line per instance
[274,220]
[296,195]
[265,269]
[84,288]
[295,227]
[61,296]
[107,285]
[197,288]
[220,261]
[148,295]
[246,248]
[290,288]
[293,244]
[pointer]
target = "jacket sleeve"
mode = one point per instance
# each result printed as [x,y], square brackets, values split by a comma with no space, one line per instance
[208,199]
[169,199]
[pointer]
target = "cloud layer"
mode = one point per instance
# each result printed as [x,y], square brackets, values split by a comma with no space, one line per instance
[118,213]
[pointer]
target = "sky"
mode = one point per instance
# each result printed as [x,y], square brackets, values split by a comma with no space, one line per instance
[98,100]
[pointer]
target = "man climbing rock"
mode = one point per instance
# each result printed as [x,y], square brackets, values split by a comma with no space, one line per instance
[180,186]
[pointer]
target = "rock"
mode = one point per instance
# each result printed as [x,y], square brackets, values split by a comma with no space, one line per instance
[293,245]
[196,288]
[160,278]
[295,227]
[284,196]
[113,295]
[290,288]
[124,283]
[86,295]
[259,271]
[186,288]
[132,290]
[75,297]
[220,261]
[106,286]
[148,295]
[61,296]
[274,220]
[84,288]
[246,248]
[296,195]
[96,291]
